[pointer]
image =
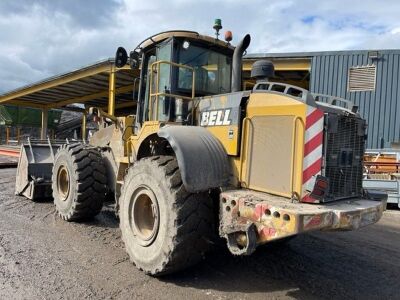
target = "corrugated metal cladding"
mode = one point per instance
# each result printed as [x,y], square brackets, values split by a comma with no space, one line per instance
[380,107]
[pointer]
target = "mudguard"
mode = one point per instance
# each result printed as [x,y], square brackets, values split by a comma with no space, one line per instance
[202,159]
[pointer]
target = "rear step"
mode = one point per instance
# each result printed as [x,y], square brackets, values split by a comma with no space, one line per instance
[250,218]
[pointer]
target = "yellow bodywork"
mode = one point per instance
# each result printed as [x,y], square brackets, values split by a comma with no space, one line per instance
[148,128]
[270,145]
[231,144]
[221,132]
[279,148]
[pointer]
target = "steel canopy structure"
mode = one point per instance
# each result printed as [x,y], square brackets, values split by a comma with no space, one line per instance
[92,85]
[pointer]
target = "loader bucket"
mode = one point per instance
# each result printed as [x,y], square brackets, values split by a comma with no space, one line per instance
[34,169]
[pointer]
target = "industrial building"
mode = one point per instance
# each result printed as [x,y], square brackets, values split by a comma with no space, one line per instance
[17,123]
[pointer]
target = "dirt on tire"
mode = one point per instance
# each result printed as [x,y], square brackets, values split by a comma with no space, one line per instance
[86,179]
[185,219]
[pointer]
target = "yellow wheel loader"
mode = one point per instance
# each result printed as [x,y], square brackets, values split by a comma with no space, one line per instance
[201,157]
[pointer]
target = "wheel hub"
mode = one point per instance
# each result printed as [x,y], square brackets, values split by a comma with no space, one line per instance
[144,216]
[63,181]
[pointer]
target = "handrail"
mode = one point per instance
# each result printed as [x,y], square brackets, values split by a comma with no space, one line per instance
[157,94]
[333,99]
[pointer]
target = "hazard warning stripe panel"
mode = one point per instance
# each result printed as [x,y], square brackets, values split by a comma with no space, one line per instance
[313,140]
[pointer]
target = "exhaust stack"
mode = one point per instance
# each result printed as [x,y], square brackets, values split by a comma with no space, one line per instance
[237,63]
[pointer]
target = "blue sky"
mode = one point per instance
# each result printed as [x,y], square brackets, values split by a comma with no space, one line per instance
[41,38]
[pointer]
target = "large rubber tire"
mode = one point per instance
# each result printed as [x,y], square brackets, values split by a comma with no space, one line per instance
[78,182]
[184,220]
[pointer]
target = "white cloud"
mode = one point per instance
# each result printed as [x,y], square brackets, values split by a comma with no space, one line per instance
[45,37]
[395,30]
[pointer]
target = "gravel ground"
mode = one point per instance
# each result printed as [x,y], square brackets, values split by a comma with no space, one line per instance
[42,257]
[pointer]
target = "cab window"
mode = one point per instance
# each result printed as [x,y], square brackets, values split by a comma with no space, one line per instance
[212,70]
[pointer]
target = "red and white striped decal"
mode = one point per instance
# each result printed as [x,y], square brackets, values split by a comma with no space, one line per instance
[313,140]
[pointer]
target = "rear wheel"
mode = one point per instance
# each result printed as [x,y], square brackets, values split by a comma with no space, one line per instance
[78,182]
[165,228]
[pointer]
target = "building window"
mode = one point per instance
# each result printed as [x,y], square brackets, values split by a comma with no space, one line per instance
[361,78]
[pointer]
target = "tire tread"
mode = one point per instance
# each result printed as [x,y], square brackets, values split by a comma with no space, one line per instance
[91,180]
[193,223]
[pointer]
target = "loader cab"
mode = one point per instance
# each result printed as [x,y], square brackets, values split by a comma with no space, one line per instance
[177,69]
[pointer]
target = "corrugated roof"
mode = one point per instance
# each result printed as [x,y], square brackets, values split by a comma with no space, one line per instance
[89,85]
[317,53]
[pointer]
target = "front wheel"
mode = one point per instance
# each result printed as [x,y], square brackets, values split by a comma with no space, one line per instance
[165,229]
[78,182]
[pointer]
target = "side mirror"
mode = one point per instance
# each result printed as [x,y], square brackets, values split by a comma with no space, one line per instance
[121,57]
[134,60]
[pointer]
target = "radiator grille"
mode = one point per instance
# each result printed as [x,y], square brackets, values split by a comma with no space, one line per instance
[344,156]
[271,143]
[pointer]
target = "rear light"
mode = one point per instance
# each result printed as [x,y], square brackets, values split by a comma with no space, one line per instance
[318,192]
[322,184]
[321,187]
